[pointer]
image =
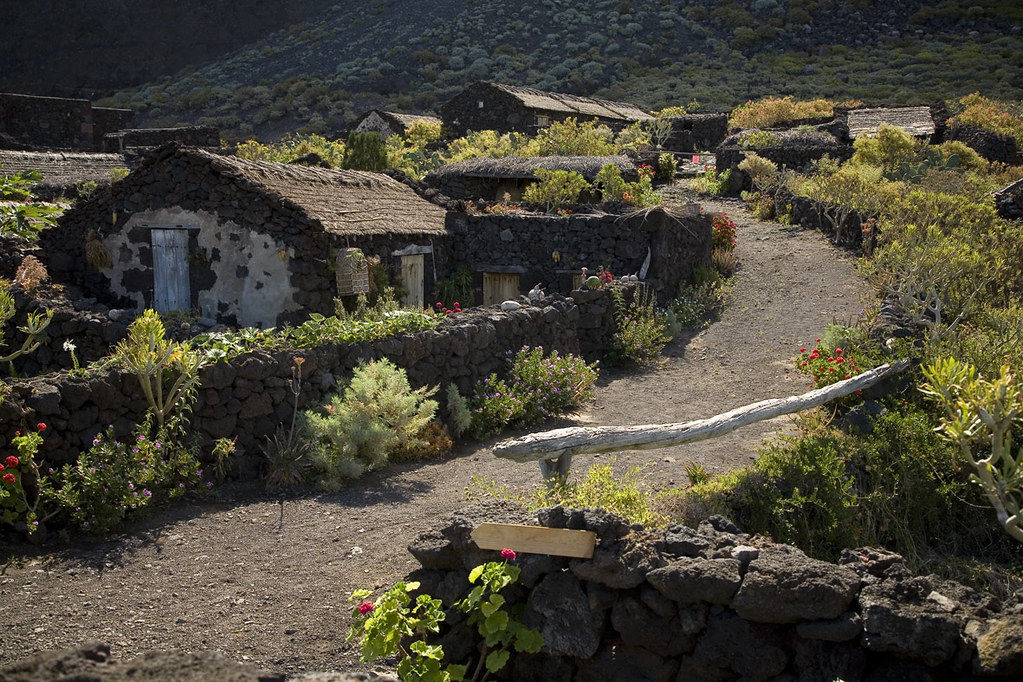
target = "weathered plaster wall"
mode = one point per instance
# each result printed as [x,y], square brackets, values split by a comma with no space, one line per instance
[235,273]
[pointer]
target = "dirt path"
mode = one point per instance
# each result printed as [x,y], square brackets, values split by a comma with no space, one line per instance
[265,580]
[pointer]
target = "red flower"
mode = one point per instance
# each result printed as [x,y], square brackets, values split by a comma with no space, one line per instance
[818,340]
[803,349]
[41,426]
[508,554]
[838,351]
[2,467]
[9,478]
[365,608]
[11,462]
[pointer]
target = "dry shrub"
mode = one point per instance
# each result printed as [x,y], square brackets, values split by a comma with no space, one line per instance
[724,261]
[31,273]
[96,255]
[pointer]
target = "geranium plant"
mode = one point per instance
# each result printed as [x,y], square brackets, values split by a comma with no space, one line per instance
[395,624]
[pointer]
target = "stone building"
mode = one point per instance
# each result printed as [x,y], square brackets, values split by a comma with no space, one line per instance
[507,108]
[387,123]
[490,179]
[64,174]
[243,242]
[30,122]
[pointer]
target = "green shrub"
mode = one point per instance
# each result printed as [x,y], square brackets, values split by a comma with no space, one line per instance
[571,138]
[773,111]
[555,188]
[979,111]
[713,182]
[600,488]
[378,417]
[20,214]
[667,166]
[641,332]
[538,387]
[889,148]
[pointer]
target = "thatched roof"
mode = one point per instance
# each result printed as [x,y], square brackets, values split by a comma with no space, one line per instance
[574,104]
[345,202]
[523,168]
[916,121]
[62,169]
[408,119]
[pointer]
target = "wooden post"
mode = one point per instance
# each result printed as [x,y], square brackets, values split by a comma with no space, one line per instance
[560,444]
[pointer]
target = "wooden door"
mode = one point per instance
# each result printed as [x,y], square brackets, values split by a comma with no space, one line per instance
[170,269]
[499,287]
[413,269]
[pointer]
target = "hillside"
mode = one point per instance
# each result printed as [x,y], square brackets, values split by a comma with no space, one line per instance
[317,74]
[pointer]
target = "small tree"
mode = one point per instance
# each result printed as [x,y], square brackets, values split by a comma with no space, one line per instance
[365,151]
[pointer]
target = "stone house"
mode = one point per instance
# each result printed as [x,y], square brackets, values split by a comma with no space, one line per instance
[491,179]
[64,173]
[30,122]
[917,121]
[507,108]
[243,242]
[387,123]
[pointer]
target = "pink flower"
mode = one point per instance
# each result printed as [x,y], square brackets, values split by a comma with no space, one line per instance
[365,608]
[508,554]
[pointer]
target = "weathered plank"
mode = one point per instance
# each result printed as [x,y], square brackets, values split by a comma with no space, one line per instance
[576,440]
[535,539]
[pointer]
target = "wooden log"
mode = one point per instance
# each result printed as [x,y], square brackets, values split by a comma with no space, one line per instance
[580,440]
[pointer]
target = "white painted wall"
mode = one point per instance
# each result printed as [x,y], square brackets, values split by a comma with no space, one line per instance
[256,298]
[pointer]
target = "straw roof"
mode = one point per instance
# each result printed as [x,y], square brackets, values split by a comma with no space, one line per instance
[574,104]
[345,202]
[408,119]
[62,169]
[522,168]
[916,121]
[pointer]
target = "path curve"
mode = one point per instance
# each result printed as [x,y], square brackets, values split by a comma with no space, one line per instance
[265,579]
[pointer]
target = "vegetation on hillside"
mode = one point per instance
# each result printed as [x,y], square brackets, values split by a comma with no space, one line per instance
[317,76]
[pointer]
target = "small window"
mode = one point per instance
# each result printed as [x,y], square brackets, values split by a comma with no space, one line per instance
[543,120]
[480,104]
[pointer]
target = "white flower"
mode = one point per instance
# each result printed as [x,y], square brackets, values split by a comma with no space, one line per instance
[69,346]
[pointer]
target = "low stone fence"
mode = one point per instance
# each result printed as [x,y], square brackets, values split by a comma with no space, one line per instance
[713,603]
[250,395]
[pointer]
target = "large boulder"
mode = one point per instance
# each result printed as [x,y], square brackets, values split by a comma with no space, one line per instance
[783,585]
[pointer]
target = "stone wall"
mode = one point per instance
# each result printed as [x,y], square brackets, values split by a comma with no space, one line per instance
[697,132]
[250,396]
[46,122]
[990,145]
[193,136]
[549,250]
[713,603]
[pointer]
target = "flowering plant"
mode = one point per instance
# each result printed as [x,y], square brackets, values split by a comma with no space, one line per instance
[115,479]
[723,232]
[539,387]
[15,505]
[386,625]
[646,171]
[826,366]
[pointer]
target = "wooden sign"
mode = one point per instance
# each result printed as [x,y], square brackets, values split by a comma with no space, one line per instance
[536,539]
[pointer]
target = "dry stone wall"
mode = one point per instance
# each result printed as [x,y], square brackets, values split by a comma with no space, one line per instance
[713,603]
[550,250]
[250,395]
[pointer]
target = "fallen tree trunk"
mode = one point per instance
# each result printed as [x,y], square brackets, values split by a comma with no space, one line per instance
[580,440]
